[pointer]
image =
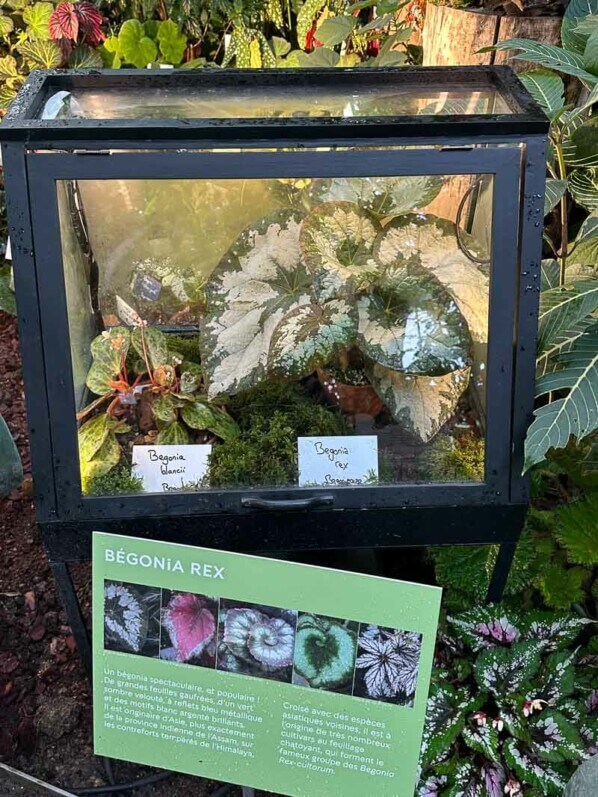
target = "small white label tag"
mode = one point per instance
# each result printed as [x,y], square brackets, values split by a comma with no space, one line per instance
[8,253]
[338,461]
[164,469]
[126,313]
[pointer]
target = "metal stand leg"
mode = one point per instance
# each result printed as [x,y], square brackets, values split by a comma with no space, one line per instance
[500,574]
[68,596]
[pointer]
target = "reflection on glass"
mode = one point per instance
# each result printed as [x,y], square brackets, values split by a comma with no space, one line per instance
[230,317]
[223,102]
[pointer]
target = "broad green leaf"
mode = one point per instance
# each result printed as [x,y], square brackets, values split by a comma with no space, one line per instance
[305,18]
[587,25]
[337,239]
[85,57]
[105,458]
[201,415]
[259,281]
[135,46]
[41,54]
[164,408]
[546,87]
[486,627]
[8,67]
[577,413]
[92,436]
[190,377]
[583,145]
[530,770]
[431,243]
[482,739]
[503,671]
[172,42]
[561,308]
[550,273]
[586,250]
[413,325]
[577,529]
[384,196]
[335,30]
[561,587]
[554,738]
[6,26]
[109,352]
[583,185]
[446,713]
[11,468]
[555,190]
[387,55]
[575,13]
[7,296]
[589,227]
[151,345]
[37,19]
[280,46]
[311,336]
[548,55]
[419,404]
[564,342]
[174,434]
[590,55]
[556,680]
[319,57]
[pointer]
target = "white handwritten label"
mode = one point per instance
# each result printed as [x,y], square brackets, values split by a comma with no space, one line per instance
[126,313]
[164,469]
[338,461]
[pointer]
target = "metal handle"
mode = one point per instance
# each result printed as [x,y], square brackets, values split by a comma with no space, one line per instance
[287,503]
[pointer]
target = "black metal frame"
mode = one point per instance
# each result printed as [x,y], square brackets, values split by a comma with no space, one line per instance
[508,146]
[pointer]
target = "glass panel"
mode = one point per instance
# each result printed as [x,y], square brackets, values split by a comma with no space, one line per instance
[224,102]
[240,317]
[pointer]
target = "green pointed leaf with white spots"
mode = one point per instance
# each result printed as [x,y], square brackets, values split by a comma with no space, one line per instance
[260,280]
[554,738]
[311,336]
[546,87]
[385,196]
[503,671]
[556,630]
[105,458]
[305,18]
[92,435]
[467,781]
[482,739]
[486,627]
[336,240]
[201,415]
[109,352]
[190,377]
[164,408]
[151,344]
[446,714]
[174,434]
[430,242]
[556,680]
[577,413]
[413,326]
[419,404]
[561,308]
[555,190]
[532,770]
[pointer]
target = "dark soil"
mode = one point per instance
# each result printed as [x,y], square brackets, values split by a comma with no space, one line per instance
[45,698]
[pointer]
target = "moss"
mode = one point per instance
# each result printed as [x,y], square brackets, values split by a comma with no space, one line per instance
[271,417]
[455,459]
[117,481]
[186,346]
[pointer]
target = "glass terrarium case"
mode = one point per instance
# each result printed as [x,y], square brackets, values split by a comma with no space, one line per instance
[244,295]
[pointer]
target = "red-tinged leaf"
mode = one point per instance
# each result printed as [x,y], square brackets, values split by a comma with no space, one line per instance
[90,22]
[64,22]
[37,632]
[190,624]
[8,662]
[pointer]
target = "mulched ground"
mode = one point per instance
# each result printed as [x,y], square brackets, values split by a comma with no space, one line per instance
[45,699]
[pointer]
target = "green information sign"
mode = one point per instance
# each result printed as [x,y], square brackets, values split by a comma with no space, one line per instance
[286,677]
